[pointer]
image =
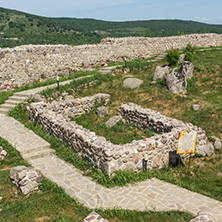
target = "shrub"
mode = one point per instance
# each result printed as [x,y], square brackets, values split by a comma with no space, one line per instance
[172,57]
[189,53]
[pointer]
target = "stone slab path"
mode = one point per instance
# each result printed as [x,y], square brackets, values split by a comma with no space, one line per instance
[151,194]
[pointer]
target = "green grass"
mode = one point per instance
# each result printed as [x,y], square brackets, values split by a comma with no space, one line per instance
[120,133]
[51,203]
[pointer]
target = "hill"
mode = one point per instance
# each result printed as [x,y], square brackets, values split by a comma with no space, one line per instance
[19,28]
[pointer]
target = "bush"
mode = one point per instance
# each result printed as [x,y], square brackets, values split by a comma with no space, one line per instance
[172,57]
[189,53]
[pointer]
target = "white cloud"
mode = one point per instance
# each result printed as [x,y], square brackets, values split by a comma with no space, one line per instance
[204,18]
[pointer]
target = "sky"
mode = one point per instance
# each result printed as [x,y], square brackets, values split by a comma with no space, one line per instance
[122,10]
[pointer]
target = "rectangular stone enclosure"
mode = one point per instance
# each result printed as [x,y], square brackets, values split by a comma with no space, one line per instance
[103,154]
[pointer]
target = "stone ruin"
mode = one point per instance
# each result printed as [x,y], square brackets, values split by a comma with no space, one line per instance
[103,154]
[25,64]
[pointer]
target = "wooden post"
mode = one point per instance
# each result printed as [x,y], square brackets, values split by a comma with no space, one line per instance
[189,162]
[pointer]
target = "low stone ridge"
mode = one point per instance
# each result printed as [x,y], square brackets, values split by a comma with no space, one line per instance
[147,118]
[3,153]
[94,217]
[107,156]
[25,178]
[79,106]
[25,64]
[132,83]
[202,217]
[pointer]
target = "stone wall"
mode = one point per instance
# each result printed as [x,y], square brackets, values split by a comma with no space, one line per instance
[107,156]
[24,64]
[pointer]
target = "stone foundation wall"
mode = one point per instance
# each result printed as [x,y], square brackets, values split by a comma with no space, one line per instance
[109,157]
[25,64]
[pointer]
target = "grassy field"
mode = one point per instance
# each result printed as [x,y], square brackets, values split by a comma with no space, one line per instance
[205,89]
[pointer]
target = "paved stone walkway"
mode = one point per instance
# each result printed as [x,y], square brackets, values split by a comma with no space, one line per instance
[151,194]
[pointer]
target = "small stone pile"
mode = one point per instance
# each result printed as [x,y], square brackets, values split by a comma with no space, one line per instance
[94,217]
[202,217]
[3,153]
[26,179]
[25,64]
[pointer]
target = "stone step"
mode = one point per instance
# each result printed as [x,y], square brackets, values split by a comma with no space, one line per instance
[36,149]
[22,94]
[38,154]
[18,98]
[7,106]
[3,110]
[14,102]
[104,71]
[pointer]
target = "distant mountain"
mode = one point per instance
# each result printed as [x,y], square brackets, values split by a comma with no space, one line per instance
[19,28]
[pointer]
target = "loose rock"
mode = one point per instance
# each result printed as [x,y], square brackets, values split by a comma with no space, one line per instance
[102,111]
[202,217]
[25,178]
[217,143]
[132,83]
[94,217]
[3,153]
[196,107]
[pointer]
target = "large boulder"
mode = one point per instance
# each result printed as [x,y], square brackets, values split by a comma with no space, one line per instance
[205,150]
[132,83]
[187,69]
[160,72]
[177,81]
[26,178]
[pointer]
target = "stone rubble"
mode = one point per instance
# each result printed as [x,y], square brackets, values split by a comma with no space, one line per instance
[26,64]
[94,217]
[3,153]
[107,156]
[25,178]
[217,143]
[202,217]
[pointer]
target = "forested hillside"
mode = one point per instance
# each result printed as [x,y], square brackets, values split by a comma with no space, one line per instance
[18,28]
